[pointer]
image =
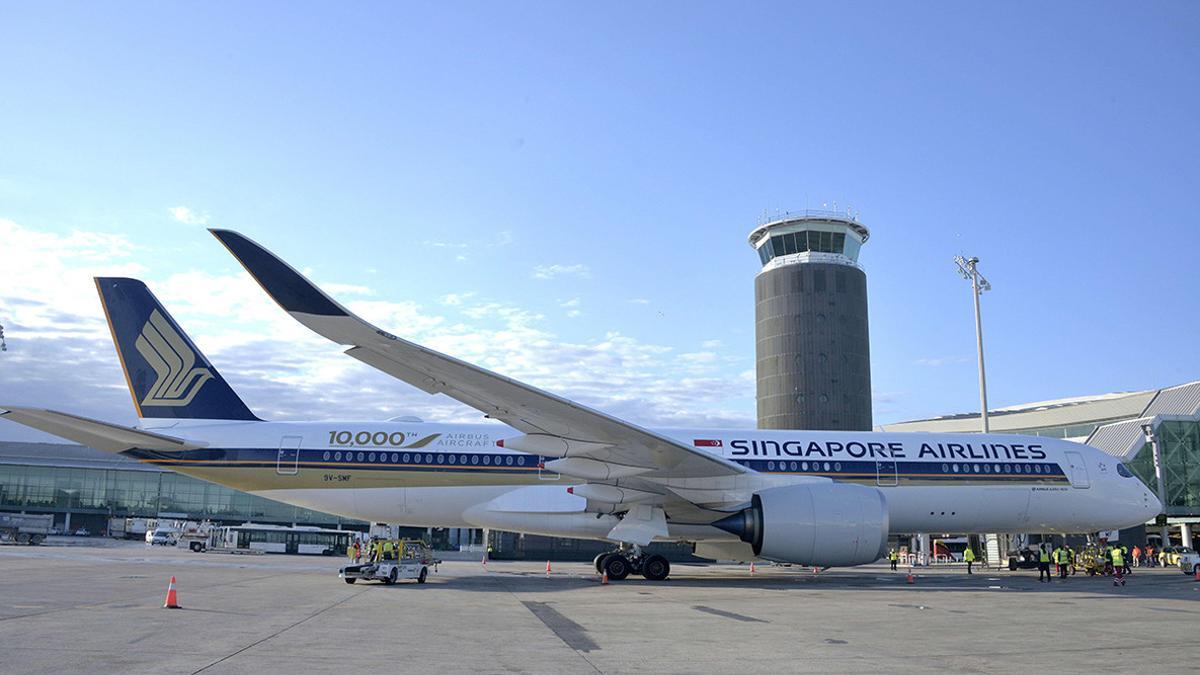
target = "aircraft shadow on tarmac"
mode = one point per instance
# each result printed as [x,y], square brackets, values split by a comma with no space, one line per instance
[1162,585]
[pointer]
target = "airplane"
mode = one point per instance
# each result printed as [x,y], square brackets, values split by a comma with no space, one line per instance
[555,467]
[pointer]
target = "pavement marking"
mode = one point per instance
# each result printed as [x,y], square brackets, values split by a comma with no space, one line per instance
[728,615]
[281,631]
[1169,609]
[574,635]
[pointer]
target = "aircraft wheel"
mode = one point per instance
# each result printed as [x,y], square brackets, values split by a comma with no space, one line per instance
[656,568]
[598,561]
[616,566]
[424,573]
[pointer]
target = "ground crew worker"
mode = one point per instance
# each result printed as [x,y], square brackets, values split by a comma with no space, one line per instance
[1043,564]
[1137,556]
[893,557]
[1125,555]
[350,552]
[357,551]
[1118,561]
[1061,558]
[969,557]
[387,549]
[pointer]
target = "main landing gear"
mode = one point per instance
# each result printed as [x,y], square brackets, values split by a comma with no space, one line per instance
[621,563]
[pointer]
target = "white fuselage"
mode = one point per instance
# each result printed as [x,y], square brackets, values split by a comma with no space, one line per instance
[439,475]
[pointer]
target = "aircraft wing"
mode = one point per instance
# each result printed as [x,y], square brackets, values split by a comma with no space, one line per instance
[93,433]
[553,425]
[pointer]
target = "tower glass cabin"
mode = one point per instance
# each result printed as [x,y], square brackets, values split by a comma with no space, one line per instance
[813,357]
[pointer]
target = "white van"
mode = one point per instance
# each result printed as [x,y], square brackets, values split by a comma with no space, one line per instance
[160,537]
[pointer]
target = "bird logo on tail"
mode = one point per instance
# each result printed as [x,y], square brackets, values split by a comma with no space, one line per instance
[178,380]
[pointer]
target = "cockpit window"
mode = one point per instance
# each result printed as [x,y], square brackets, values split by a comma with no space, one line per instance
[1123,471]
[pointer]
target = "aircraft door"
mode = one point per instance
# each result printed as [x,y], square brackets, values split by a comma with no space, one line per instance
[885,473]
[287,462]
[1078,470]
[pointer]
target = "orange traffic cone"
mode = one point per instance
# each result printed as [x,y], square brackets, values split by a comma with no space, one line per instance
[909,579]
[604,578]
[752,567]
[547,568]
[172,601]
[1198,574]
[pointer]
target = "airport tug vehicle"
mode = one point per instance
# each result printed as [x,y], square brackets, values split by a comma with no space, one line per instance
[410,559]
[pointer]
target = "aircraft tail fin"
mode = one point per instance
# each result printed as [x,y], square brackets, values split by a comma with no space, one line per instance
[167,375]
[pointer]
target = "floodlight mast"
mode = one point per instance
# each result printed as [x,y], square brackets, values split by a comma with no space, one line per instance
[969,269]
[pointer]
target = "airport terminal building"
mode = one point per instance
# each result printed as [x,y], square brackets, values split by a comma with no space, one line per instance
[84,487]
[1124,425]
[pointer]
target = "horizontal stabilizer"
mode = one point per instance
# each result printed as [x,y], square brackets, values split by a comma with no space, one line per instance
[93,433]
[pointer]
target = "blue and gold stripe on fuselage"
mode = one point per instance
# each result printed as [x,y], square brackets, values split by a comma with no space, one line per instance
[892,472]
[269,468]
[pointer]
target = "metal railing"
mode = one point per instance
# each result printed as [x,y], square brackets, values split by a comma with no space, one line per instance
[772,216]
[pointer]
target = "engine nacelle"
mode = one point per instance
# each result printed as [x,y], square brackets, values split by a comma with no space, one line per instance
[820,524]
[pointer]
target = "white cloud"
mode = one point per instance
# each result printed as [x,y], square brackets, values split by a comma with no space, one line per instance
[456,299]
[711,344]
[554,271]
[574,313]
[187,216]
[60,354]
[442,244]
[573,302]
[938,361]
[639,301]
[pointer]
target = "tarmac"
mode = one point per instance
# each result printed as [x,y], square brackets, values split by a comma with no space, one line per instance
[97,607]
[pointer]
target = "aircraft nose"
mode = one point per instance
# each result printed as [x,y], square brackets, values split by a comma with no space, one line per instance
[1153,505]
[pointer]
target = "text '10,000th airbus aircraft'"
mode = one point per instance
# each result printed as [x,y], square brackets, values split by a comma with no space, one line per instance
[559,468]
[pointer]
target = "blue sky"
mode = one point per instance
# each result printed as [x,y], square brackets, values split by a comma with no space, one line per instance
[442,162]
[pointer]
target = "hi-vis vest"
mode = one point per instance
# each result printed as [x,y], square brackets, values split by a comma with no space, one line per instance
[968,555]
[1117,557]
[1043,556]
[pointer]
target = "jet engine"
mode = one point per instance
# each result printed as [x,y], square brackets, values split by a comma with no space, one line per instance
[820,524]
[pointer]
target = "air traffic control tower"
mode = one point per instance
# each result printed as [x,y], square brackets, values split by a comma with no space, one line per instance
[813,353]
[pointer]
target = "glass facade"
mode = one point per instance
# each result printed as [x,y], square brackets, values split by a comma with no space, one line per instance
[1179,443]
[124,492]
[803,242]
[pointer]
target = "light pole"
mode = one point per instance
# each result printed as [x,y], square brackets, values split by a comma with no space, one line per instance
[1160,477]
[969,269]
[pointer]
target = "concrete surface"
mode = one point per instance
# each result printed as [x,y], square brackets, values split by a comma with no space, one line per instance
[98,609]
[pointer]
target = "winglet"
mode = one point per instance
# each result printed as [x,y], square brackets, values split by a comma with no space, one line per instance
[280,280]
